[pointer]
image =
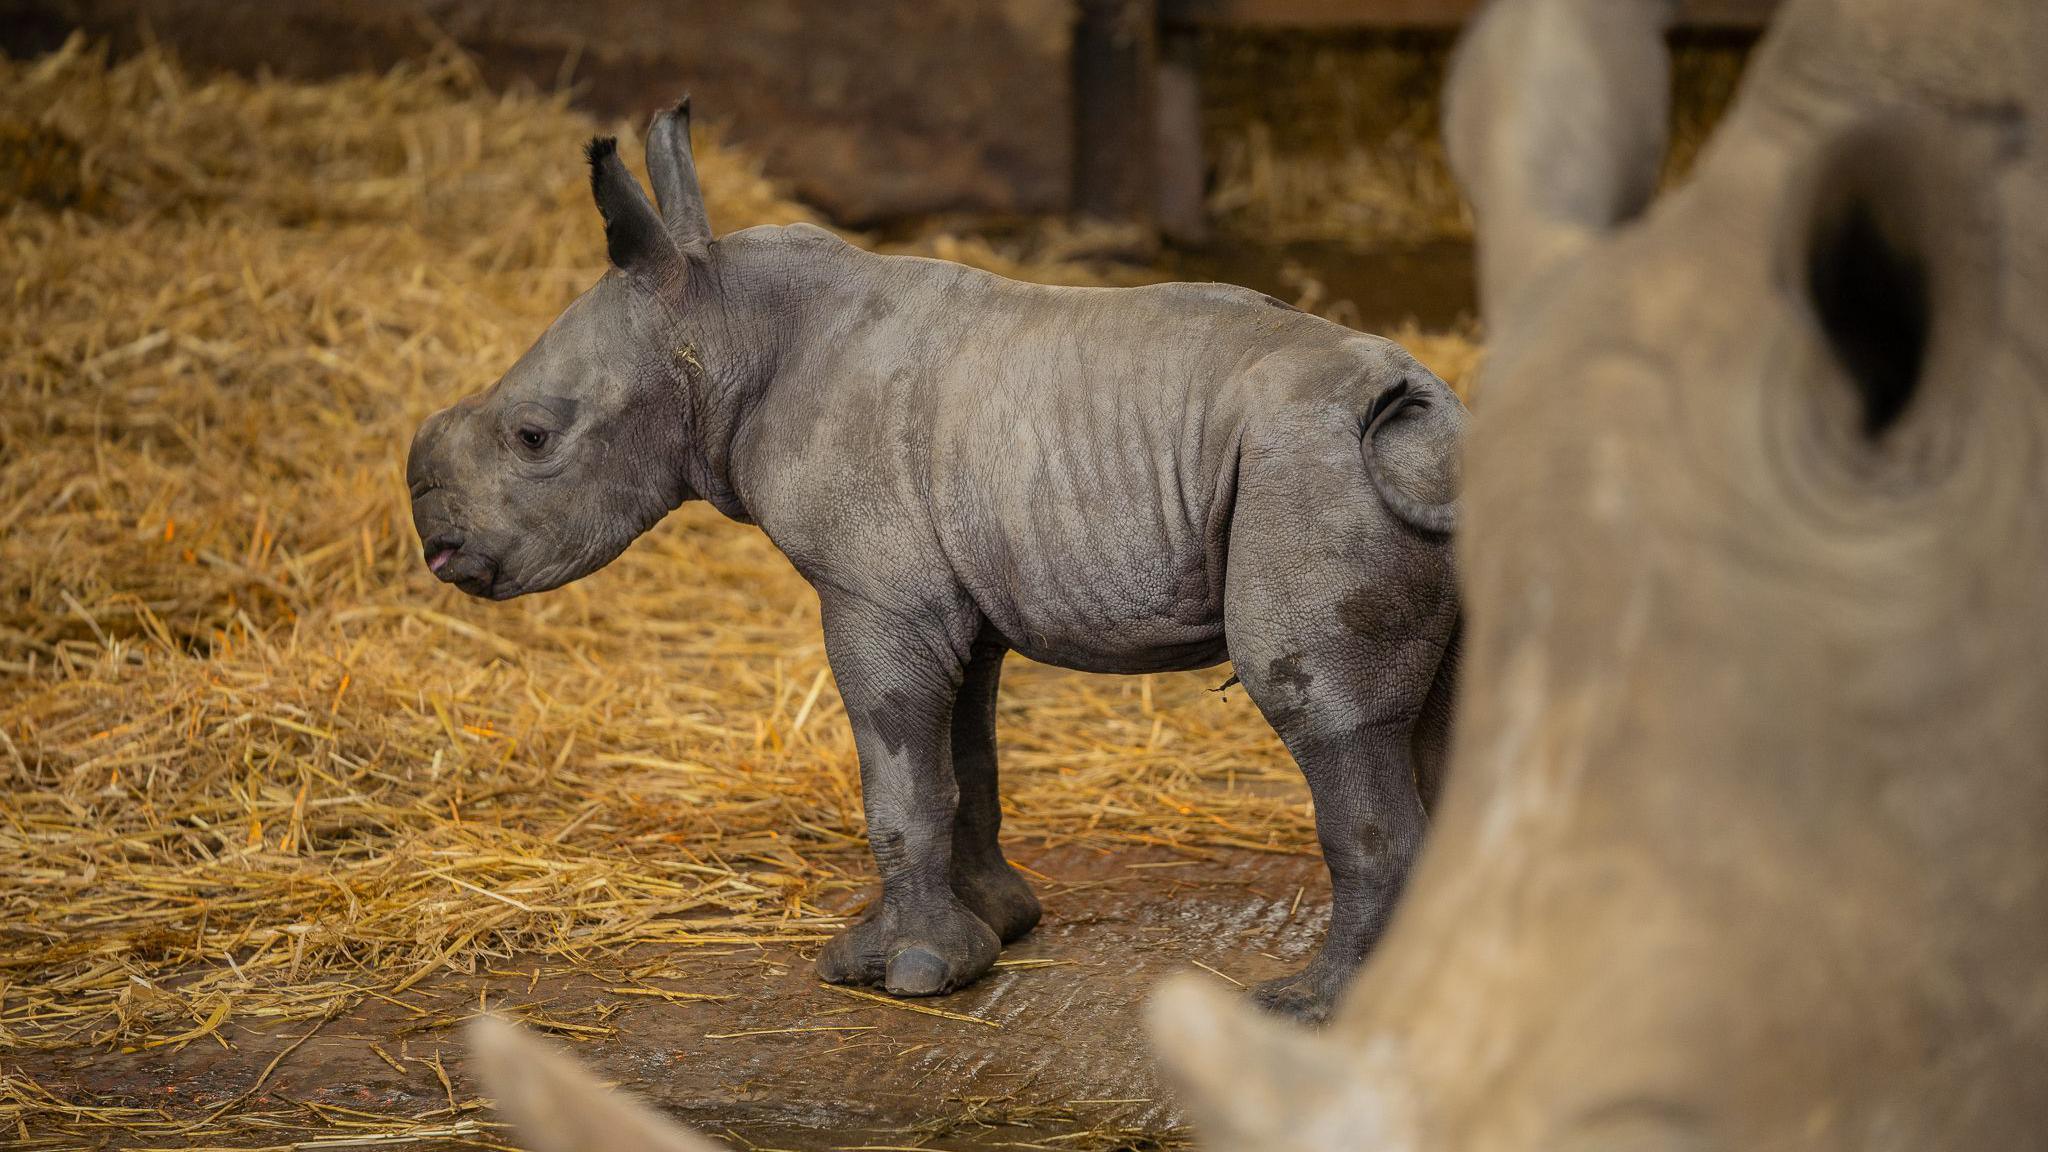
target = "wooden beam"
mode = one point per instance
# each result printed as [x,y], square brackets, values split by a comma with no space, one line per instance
[1181,175]
[1116,54]
[1331,14]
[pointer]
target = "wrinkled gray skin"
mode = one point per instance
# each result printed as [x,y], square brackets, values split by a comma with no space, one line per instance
[1745,842]
[1114,480]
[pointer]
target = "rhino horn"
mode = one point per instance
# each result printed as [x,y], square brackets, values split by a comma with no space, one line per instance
[556,1106]
[1253,1081]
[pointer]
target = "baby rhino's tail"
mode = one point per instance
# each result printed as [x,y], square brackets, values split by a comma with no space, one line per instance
[1423,517]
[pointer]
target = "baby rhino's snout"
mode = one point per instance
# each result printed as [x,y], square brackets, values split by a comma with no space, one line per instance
[419,462]
[427,479]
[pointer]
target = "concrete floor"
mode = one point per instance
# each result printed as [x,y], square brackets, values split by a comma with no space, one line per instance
[783,1062]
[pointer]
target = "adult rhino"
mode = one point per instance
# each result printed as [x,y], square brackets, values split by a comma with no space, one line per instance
[1745,840]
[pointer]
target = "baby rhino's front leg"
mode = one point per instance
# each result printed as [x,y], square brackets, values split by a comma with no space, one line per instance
[899,676]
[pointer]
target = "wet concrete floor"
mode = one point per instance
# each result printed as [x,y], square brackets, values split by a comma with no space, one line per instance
[1055,1049]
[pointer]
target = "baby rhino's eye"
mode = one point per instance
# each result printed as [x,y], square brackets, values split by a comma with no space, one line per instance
[534,438]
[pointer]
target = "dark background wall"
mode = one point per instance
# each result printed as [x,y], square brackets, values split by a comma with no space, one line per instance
[871,109]
[1273,120]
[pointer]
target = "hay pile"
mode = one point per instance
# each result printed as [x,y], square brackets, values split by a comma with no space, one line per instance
[259,765]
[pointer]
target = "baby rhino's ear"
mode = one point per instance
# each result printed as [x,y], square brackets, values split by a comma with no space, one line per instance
[673,169]
[633,234]
[555,1106]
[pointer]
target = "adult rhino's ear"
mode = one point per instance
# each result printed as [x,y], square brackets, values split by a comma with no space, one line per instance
[633,234]
[1890,243]
[673,169]
[1555,122]
[555,1106]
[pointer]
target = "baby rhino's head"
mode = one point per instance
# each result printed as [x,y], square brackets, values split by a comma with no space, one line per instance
[548,474]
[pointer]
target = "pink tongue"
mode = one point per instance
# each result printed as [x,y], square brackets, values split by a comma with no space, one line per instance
[440,560]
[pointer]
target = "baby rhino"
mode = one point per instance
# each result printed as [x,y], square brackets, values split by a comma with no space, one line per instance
[1106,479]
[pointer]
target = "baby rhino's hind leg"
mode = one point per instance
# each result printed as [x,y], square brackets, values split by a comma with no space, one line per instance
[980,877]
[1337,637]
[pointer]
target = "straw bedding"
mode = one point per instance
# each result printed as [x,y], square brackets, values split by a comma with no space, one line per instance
[258,764]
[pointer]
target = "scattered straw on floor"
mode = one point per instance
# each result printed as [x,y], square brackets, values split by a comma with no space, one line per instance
[258,763]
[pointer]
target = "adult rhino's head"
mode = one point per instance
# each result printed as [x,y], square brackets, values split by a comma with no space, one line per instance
[1745,837]
[547,475]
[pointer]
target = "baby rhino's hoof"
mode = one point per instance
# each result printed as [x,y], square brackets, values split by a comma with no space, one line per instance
[998,897]
[1308,996]
[926,954]
[916,971]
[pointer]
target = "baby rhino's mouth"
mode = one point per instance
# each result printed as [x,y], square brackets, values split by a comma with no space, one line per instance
[452,561]
[439,550]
